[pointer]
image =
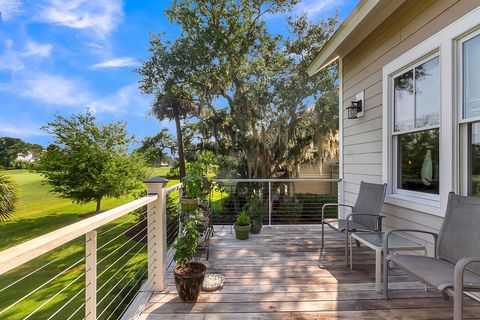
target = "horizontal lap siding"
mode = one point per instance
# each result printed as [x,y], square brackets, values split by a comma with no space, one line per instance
[411,24]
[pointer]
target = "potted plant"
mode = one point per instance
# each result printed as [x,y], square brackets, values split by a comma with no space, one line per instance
[255,209]
[188,275]
[192,191]
[242,225]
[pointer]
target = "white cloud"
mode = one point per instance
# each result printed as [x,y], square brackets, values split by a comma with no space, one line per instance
[9,59]
[117,63]
[99,16]
[9,9]
[49,89]
[313,8]
[20,128]
[127,99]
[37,49]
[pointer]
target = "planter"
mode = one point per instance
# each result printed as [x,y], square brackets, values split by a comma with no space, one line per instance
[256,227]
[189,205]
[189,284]
[241,232]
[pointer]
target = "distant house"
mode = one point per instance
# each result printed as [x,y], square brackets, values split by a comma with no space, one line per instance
[409,104]
[30,156]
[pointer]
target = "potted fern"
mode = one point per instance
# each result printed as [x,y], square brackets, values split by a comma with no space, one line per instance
[242,225]
[188,275]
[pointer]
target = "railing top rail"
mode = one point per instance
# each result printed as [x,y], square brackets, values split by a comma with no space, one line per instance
[279,180]
[173,188]
[29,250]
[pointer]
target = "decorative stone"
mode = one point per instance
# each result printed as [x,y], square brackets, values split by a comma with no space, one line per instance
[213,281]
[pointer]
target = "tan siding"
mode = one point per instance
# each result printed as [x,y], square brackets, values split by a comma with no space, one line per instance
[412,23]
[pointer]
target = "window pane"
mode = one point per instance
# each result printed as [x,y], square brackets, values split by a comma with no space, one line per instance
[474,160]
[404,101]
[419,161]
[427,93]
[471,77]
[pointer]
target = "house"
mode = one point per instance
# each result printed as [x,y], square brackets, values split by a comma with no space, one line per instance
[29,156]
[410,104]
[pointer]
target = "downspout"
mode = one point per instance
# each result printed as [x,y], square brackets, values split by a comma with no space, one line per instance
[340,137]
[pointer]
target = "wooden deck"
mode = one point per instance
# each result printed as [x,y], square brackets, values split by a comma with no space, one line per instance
[276,275]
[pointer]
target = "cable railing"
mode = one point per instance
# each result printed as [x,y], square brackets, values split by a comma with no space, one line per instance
[285,201]
[92,269]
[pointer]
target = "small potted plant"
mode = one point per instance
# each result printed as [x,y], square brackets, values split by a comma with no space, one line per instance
[255,209]
[188,275]
[192,191]
[242,225]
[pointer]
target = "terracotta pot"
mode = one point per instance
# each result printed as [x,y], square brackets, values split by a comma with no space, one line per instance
[189,205]
[189,284]
[241,232]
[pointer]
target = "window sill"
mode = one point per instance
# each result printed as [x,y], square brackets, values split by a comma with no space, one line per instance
[429,206]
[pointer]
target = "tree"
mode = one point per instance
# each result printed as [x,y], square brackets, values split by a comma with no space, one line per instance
[88,162]
[225,52]
[153,148]
[8,198]
[10,148]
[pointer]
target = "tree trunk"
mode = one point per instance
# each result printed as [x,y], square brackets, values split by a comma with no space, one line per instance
[181,156]
[99,200]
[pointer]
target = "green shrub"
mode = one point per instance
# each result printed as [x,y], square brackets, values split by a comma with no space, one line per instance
[290,212]
[243,219]
[313,203]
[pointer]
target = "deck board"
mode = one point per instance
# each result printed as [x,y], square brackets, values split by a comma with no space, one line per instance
[276,275]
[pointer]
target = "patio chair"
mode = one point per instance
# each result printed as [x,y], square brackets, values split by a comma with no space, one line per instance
[455,266]
[365,215]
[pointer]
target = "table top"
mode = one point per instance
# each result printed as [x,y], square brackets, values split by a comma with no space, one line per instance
[395,241]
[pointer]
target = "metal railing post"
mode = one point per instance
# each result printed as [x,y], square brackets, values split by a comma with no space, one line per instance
[270,203]
[91,275]
[157,234]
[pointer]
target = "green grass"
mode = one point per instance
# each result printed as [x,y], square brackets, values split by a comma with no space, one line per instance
[39,212]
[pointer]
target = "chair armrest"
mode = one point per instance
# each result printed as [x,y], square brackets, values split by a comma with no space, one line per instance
[334,205]
[378,216]
[460,268]
[433,234]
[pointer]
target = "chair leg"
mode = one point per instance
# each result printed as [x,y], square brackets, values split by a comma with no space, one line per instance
[323,236]
[346,248]
[385,278]
[458,303]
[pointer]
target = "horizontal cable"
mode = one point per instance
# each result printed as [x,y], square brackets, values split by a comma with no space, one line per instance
[126,295]
[66,303]
[133,277]
[41,286]
[78,309]
[120,257]
[108,280]
[119,281]
[128,240]
[55,295]
[116,226]
[121,234]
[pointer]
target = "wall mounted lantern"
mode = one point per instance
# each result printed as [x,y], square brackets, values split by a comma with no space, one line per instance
[354,109]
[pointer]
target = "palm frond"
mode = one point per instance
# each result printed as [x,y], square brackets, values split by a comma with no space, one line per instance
[8,198]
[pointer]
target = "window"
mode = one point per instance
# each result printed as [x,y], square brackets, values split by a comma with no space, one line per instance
[416,103]
[469,122]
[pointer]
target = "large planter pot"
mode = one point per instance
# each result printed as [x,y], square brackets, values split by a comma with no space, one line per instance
[256,227]
[189,284]
[189,205]
[241,232]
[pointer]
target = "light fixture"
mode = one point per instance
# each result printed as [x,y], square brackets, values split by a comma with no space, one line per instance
[354,109]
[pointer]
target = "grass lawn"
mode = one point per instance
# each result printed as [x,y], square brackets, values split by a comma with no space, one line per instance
[39,212]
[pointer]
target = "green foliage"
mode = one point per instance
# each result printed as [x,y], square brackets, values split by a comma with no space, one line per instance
[90,162]
[290,211]
[8,198]
[243,219]
[10,148]
[153,148]
[196,183]
[313,203]
[255,207]
[186,245]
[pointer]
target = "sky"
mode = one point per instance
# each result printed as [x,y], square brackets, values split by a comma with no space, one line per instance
[64,56]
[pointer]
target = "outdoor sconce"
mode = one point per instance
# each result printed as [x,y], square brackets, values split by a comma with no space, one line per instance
[354,109]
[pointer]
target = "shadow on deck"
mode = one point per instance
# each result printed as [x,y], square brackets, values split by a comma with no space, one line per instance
[276,275]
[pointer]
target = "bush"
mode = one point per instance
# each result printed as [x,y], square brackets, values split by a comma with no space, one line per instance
[290,212]
[313,203]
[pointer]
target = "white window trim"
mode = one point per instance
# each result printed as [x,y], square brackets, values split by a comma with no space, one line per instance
[445,43]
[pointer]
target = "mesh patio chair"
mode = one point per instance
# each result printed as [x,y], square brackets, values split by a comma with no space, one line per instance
[365,215]
[455,266]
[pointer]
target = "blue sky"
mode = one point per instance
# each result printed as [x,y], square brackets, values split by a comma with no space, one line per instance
[66,55]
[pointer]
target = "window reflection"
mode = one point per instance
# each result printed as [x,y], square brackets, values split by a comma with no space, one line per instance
[419,161]
[474,175]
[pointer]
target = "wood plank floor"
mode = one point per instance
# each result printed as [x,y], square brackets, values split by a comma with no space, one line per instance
[277,275]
